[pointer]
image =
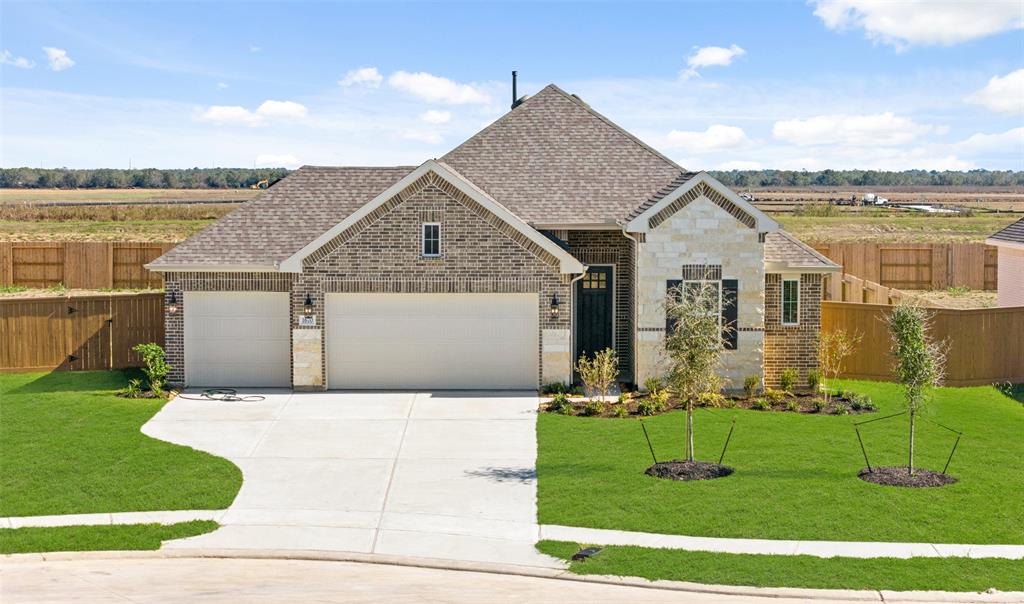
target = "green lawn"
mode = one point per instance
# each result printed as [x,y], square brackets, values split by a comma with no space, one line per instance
[947,574]
[71,447]
[95,538]
[796,474]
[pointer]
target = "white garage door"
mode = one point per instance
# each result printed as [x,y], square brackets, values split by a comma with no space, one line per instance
[237,339]
[438,341]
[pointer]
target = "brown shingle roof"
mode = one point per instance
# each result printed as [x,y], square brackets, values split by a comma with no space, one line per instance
[783,248]
[554,160]
[1013,233]
[285,217]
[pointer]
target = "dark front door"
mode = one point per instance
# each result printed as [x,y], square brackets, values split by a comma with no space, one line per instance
[594,311]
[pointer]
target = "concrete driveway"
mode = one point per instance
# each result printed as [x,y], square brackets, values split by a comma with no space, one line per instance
[433,474]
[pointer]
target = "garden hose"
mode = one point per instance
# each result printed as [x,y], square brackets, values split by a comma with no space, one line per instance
[224,395]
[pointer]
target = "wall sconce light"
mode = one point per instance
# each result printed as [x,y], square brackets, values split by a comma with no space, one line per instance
[172,303]
[554,305]
[307,306]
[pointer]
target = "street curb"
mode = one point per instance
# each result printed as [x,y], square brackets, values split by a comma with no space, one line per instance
[529,571]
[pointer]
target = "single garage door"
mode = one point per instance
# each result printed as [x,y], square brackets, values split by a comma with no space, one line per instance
[435,341]
[237,339]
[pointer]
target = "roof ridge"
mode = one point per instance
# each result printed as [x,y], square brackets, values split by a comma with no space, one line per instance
[324,166]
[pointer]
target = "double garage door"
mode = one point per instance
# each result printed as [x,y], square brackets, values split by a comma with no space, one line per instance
[373,341]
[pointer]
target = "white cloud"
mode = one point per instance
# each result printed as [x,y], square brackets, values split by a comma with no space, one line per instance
[1002,94]
[6,58]
[905,22]
[1010,141]
[282,109]
[254,48]
[431,138]
[716,138]
[711,56]
[58,58]
[367,76]
[437,89]
[434,116]
[741,165]
[228,114]
[867,130]
[222,85]
[270,160]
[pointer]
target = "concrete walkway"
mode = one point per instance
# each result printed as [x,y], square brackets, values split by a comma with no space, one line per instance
[434,474]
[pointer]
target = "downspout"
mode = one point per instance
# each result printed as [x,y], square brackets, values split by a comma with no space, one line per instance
[636,303]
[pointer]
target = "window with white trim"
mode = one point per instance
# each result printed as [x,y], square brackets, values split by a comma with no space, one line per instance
[431,247]
[790,301]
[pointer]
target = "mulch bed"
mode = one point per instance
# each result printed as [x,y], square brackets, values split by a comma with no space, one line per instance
[794,402]
[897,476]
[688,470]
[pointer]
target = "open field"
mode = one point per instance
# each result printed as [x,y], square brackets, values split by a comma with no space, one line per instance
[796,474]
[994,198]
[889,228]
[8,196]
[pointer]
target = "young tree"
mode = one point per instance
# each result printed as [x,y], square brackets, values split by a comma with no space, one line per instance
[599,373]
[833,349]
[693,344]
[919,361]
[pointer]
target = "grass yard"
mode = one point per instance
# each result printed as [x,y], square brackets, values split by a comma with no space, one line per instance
[796,474]
[947,574]
[70,446]
[95,538]
[884,228]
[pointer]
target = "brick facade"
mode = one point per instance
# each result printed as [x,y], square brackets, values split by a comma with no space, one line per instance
[791,346]
[611,248]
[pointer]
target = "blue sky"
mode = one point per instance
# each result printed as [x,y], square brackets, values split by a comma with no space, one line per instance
[795,85]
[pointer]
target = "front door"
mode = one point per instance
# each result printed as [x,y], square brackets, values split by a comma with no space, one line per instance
[594,311]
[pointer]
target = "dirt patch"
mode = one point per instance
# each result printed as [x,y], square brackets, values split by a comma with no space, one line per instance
[688,470]
[897,476]
[958,298]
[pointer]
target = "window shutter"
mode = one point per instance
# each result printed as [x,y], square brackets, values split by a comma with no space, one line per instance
[730,313]
[672,284]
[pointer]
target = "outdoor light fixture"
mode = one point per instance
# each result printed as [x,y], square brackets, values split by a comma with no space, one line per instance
[307,306]
[554,305]
[172,303]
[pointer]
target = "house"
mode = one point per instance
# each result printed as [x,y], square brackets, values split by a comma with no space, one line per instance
[549,234]
[1010,278]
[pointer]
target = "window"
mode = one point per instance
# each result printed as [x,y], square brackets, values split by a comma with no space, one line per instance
[790,301]
[595,280]
[691,288]
[431,240]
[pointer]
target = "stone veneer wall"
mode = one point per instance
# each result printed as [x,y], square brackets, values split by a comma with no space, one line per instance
[480,254]
[701,232]
[611,247]
[177,284]
[791,346]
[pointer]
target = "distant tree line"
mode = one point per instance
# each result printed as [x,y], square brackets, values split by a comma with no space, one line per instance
[146,178]
[870,178]
[232,178]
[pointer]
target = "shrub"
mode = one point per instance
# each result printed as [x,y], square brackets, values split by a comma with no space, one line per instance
[833,349]
[592,408]
[814,380]
[788,379]
[133,389]
[793,406]
[623,397]
[620,411]
[775,396]
[57,288]
[555,388]
[649,406]
[750,385]
[818,405]
[156,367]
[710,399]
[761,404]
[561,404]
[841,408]
[599,372]
[728,402]
[654,385]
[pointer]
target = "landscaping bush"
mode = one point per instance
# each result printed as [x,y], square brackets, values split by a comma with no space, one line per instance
[600,372]
[653,385]
[775,396]
[710,399]
[133,389]
[156,367]
[650,406]
[793,406]
[761,404]
[555,388]
[561,404]
[814,380]
[833,349]
[592,408]
[620,411]
[788,379]
[819,405]
[841,409]
[750,385]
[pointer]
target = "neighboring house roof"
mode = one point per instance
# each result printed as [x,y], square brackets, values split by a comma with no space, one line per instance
[284,218]
[555,161]
[783,251]
[1011,236]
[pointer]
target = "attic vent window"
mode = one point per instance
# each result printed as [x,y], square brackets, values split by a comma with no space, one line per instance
[431,240]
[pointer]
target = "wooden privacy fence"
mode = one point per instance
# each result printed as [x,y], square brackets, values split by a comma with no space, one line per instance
[984,345]
[917,266]
[847,288]
[80,265]
[78,332]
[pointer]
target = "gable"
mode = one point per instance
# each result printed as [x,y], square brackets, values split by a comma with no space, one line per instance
[702,186]
[437,175]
